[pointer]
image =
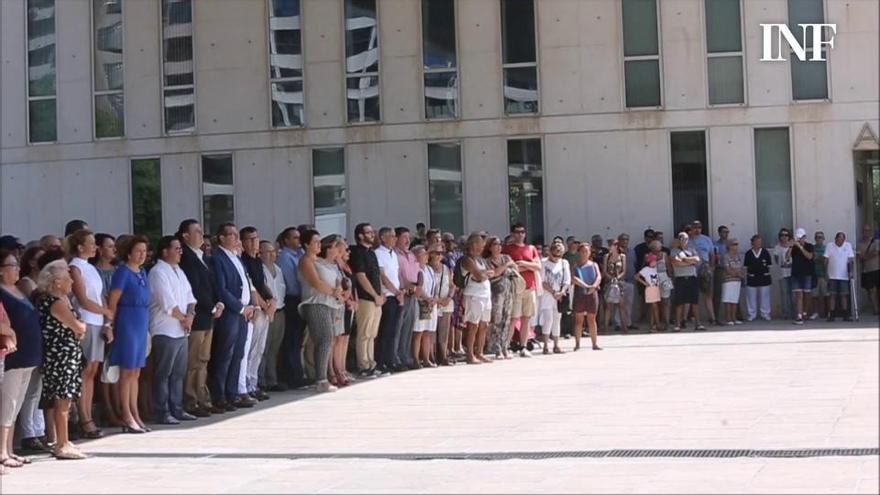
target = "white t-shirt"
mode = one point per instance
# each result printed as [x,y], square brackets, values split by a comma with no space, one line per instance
[837,258]
[782,258]
[390,266]
[558,275]
[94,286]
[650,276]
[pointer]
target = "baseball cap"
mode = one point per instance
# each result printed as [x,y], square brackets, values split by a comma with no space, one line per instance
[10,242]
[800,233]
[651,258]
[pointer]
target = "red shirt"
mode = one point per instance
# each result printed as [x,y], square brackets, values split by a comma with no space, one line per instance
[525,252]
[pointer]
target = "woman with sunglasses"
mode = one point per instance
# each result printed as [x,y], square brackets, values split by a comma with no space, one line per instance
[782,257]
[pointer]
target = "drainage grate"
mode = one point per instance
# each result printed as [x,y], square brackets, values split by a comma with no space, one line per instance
[506,456]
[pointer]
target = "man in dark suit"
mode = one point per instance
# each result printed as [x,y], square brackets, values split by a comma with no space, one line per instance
[197,268]
[230,331]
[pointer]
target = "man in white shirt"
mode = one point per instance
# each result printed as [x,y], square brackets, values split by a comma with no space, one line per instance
[172,310]
[839,258]
[389,274]
[275,282]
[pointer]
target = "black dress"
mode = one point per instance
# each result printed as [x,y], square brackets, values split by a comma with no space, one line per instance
[62,356]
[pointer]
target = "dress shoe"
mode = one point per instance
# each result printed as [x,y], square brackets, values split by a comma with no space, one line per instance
[185,416]
[199,413]
[218,408]
[244,402]
[230,406]
[168,420]
[277,388]
[261,396]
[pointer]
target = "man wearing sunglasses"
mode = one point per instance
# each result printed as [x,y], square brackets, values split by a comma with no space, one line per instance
[528,261]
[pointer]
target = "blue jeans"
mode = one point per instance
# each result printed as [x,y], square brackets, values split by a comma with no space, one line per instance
[785,298]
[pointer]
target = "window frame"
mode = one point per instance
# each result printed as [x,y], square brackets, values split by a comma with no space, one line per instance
[163,87]
[809,52]
[27,82]
[201,167]
[112,92]
[540,139]
[521,65]
[741,54]
[376,74]
[709,222]
[461,163]
[791,172]
[312,207]
[659,58]
[277,80]
[445,70]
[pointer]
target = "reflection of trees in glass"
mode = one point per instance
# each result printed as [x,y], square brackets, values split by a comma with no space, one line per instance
[109,116]
[146,198]
[42,122]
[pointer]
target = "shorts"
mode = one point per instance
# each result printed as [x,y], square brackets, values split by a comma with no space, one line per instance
[730,292]
[871,280]
[687,290]
[838,287]
[820,287]
[14,391]
[652,294]
[477,309]
[524,306]
[586,303]
[93,344]
[802,283]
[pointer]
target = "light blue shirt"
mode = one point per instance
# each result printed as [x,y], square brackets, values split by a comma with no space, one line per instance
[720,248]
[703,245]
[288,261]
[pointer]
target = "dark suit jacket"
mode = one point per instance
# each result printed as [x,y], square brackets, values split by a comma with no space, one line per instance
[201,279]
[228,284]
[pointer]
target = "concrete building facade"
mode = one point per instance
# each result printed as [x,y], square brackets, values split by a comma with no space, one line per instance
[279,112]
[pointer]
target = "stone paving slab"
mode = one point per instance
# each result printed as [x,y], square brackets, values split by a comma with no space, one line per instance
[762,387]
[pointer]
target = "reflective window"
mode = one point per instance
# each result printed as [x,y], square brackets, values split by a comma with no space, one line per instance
[108,66]
[690,195]
[362,61]
[725,52]
[42,111]
[525,181]
[218,205]
[809,79]
[519,56]
[146,198]
[445,187]
[773,181]
[439,59]
[641,53]
[178,68]
[286,63]
[328,182]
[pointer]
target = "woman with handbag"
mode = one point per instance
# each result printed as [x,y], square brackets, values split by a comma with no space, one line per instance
[664,271]
[613,270]
[427,294]
[586,280]
[556,275]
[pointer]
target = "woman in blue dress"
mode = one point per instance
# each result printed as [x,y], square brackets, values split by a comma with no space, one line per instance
[129,300]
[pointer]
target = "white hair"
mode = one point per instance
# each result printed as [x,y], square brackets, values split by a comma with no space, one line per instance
[50,273]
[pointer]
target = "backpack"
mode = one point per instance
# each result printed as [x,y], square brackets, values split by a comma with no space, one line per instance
[459,277]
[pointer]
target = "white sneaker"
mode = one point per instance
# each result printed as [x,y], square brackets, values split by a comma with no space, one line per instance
[326,387]
[730,323]
[738,322]
[814,316]
[525,353]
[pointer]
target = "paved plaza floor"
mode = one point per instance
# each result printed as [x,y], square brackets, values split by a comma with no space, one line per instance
[550,424]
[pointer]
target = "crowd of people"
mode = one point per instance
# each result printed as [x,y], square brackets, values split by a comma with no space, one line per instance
[189,327]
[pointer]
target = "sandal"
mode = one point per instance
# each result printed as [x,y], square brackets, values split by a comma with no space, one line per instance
[11,463]
[69,452]
[91,434]
[23,460]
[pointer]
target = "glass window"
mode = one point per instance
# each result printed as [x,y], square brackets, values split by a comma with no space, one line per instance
[809,80]
[439,59]
[286,63]
[526,185]
[362,60]
[725,54]
[146,198]
[640,28]
[519,56]
[445,187]
[218,204]
[328,181]
[108,66]
[773,182]
[642,83]
[42,121]
[641,53]
[690,196]
[178,68]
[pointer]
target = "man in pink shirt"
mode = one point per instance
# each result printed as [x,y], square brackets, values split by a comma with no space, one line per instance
[409,278]
[528,260]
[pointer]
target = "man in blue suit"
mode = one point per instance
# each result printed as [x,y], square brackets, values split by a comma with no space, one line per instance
[230,331]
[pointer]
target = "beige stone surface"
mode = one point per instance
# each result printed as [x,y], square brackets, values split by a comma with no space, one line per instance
[771,387]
